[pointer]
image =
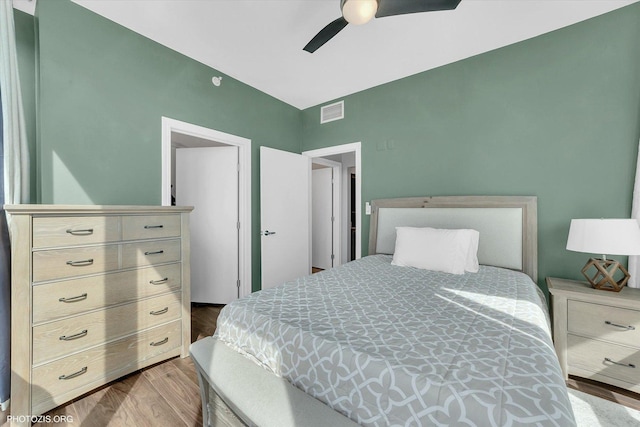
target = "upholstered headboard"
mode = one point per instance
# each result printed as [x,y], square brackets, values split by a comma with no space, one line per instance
[507,225]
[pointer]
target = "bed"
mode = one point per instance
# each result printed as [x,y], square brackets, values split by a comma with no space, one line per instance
[372,343]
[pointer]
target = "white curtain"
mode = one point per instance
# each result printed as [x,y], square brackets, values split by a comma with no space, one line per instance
[16,152]
[15,177]
[634,261]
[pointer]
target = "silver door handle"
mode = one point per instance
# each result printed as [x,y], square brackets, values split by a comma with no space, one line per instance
[268,233]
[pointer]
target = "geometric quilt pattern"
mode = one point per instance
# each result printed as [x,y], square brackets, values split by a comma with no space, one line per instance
[389,345]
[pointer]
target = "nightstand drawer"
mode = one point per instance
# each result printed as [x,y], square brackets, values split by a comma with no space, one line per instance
[604,322]
[603,358]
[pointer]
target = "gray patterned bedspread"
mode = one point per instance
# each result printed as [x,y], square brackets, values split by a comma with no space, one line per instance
[387,345]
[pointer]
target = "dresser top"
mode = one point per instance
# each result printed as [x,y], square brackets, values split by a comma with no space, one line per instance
[92,209]
[584,291]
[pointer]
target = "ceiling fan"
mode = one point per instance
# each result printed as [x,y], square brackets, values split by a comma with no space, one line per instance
[359,12]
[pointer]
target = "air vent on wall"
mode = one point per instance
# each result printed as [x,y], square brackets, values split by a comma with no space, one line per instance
[332,112]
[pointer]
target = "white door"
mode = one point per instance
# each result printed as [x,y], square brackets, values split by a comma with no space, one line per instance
[207,178]
[284,216]
[322,218]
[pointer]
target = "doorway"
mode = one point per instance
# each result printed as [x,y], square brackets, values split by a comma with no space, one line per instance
[350,228]
[184,137]
[326,218]
[285,210]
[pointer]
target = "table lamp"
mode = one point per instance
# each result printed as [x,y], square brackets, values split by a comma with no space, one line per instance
[607,237]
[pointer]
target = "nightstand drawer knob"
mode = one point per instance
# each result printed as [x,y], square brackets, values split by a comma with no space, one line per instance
[628,328]
[628,365]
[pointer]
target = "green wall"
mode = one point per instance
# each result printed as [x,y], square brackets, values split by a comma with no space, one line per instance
[557,116]
[103,90]
[26,51]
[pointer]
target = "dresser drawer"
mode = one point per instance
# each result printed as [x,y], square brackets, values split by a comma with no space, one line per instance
[79,230]
[61,263]
[56,339]
[150,226]
[615,324]
[148,253]
[589,354]
[70,297]
[93,365]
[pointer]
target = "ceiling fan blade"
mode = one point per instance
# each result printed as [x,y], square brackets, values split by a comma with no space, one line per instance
[326,34]
[402,7]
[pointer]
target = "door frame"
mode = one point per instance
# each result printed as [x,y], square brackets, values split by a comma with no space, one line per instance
[337,207]
[355,147]
[244,184]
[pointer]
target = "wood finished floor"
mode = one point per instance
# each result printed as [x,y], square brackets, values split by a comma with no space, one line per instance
[167,394]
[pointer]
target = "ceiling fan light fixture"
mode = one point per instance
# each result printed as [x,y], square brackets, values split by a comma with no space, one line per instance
[358,12]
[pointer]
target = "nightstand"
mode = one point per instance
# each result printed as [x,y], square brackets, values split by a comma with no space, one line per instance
[597,333]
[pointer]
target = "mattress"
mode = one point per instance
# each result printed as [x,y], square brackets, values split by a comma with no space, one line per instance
[389,345]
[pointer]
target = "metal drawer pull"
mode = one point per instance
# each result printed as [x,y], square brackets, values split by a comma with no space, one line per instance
[83,263]
[73,299]
[75,374]
[75,336]
[153,226]
[159,282]
[628,365]
[164,341]
[85,232]
[156,313]
[154,252]
[629,328]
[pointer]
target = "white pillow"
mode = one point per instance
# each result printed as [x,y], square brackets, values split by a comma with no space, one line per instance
[472,265]
[450,251]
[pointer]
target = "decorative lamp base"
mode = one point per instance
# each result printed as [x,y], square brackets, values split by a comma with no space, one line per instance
[605,270]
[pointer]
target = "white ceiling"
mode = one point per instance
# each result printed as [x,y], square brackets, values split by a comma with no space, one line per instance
[259,42]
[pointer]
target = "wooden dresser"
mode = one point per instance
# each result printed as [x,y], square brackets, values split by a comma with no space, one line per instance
[597,333]
[97,292]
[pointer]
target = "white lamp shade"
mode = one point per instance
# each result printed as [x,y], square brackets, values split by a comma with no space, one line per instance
[604,236]
[358,12]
